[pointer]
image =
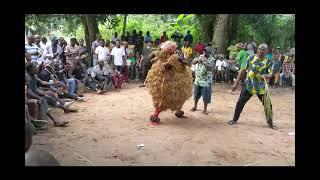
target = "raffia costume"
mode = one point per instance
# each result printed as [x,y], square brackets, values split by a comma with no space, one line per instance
[169,82]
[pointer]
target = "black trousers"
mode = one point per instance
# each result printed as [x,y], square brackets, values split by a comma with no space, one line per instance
[118,68]
[104,80]
[243,99]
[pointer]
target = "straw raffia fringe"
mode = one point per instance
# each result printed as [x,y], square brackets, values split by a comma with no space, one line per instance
[171,92]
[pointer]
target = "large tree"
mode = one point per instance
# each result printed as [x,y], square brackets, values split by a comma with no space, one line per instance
[124,24]
[220,33]
[233,28]
[43,24]
[90,23]
[207,23]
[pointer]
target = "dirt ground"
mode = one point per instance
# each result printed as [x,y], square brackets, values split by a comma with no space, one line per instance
[108,128]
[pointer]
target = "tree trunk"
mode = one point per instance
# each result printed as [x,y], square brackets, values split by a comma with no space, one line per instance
[91,29]
[233,31]
[86,33]
[220,33]
[206,24]
[124,24]
[92,26]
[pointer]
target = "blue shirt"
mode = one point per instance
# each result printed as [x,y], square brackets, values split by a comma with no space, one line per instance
[276,66]
[147,38]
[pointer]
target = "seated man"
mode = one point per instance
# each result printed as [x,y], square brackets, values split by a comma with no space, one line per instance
[36,109]
[288,71]
[72,88]
[81,77]
[276,70]
[55,75]
[72,53]
[101,77]
[35,93]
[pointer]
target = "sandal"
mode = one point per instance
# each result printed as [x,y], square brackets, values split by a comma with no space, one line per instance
[193,109]
[40,124]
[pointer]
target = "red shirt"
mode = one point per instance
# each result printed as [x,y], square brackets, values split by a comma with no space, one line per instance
[199,48]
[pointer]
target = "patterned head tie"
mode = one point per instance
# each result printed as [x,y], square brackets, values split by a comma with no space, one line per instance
[169,46]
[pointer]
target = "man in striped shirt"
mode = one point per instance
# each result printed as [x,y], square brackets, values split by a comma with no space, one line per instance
[32,49]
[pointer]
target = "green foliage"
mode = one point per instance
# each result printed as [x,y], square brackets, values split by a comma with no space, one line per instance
[105,33]
[60,25]
[156,24]
[275,30]
[110,21]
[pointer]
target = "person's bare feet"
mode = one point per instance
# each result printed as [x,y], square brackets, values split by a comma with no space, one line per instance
[179,114]
[68,110]
[205,112]
[273,127]
[67,104]
[61,123]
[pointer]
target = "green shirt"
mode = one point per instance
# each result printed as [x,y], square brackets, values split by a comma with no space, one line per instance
[269,56]
[242,58]
[233,52]
[255,69]
[132,60]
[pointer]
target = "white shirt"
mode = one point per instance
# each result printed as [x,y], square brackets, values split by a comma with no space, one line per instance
[292,51]
[102,52]
[118,53]
[220,63]
[44,45]
[224,63]
[48,53]
[97,71]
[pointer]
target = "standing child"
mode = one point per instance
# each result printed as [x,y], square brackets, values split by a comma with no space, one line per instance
[139,67]
[131,62]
